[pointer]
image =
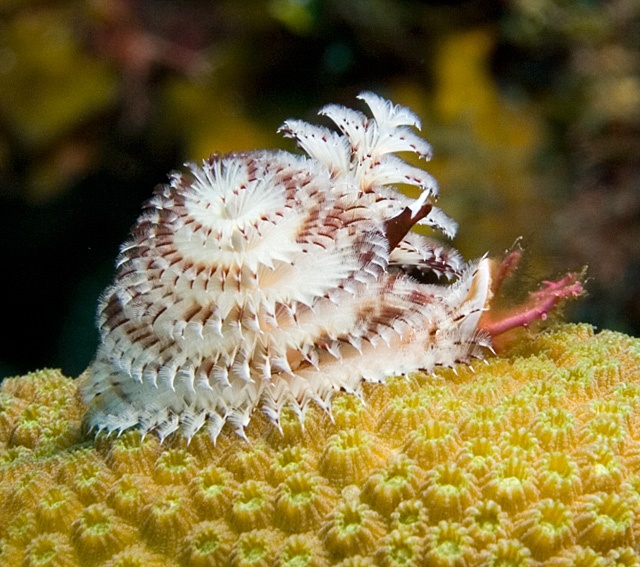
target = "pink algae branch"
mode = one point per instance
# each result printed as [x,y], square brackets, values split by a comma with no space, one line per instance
[539,304]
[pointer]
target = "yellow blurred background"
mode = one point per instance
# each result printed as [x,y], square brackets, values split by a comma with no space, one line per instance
[532,107]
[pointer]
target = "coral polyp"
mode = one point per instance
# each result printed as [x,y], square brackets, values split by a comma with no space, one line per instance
[268,279]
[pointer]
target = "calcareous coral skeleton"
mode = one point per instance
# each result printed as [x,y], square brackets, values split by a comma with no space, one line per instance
[267,278]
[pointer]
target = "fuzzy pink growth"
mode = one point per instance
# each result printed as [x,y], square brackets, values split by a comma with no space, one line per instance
[539,304]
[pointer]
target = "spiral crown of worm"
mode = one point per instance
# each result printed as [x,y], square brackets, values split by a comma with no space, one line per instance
[265,278]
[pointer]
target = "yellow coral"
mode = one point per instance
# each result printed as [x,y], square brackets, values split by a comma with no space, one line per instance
[534,460]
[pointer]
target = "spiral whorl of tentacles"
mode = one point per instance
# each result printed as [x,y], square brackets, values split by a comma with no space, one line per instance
[266,278]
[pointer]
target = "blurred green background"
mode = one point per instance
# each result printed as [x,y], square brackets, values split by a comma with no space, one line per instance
[532,106]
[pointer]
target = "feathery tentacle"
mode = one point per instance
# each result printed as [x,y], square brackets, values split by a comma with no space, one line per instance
[265,279]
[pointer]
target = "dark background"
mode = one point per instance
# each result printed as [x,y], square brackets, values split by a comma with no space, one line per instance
[533,109]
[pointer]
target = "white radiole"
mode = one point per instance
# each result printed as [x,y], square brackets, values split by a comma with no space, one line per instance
[265,279]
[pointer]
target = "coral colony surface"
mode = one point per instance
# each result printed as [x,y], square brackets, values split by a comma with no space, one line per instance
[533,459]
[234,413]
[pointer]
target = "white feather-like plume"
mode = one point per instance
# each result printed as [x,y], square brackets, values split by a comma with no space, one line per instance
[265,278]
